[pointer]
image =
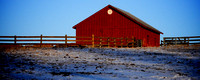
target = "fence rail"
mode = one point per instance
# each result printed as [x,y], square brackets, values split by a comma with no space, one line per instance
[180,40]
[93,41]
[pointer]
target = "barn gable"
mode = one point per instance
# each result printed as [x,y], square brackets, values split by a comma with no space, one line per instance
[127,15]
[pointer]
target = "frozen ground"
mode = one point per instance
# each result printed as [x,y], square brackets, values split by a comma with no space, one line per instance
[101,63]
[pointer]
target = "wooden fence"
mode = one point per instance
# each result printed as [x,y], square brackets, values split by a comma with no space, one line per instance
[191,40]
[66,41]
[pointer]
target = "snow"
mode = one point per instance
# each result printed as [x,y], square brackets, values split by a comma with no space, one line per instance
[101,63]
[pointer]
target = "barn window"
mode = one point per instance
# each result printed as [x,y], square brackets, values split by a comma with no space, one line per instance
[109,11]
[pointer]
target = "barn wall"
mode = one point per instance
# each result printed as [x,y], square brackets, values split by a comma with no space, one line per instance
[116,25]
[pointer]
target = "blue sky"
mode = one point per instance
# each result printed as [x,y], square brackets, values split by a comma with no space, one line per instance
[57,17]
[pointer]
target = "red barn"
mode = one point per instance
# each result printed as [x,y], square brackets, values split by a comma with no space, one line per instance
[114,22]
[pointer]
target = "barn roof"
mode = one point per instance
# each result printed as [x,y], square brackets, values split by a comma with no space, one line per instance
[133,18]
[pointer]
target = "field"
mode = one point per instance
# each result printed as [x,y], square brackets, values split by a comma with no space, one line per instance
[173,62]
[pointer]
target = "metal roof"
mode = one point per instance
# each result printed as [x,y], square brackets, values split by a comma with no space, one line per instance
[135,18]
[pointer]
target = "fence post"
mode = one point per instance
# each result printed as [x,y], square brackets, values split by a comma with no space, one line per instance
[41,40]
[127,42]
[93,40]
[176,41]
[100,42]
[108,42]
[164,41]
[15,38]
[121,41]
[184,41]
[132,41]
[66,40]
[115,42]
[188,41]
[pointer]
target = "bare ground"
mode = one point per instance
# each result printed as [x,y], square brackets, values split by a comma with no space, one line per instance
[172,62]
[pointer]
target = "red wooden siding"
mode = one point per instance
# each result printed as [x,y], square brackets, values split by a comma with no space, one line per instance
[115,25]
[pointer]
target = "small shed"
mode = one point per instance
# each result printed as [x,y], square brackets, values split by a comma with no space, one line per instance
[114,22]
